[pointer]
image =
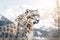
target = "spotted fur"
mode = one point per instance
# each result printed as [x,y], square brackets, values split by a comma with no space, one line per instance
[22,27]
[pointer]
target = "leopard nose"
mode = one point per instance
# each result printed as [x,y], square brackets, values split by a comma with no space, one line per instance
[37,20]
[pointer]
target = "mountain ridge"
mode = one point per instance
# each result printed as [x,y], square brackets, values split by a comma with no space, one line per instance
[4,20]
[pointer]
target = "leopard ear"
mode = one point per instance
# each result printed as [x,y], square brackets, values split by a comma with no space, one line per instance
[27,11]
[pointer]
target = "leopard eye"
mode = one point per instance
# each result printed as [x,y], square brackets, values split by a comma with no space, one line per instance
[30,17]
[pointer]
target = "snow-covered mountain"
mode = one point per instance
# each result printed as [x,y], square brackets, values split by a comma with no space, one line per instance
[4,21]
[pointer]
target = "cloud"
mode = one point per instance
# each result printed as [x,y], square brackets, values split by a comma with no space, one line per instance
[12,12]
[26,6]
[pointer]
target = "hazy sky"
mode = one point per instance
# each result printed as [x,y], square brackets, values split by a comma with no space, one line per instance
[12,8]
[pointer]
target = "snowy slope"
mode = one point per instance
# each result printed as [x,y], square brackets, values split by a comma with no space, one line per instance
[4,21]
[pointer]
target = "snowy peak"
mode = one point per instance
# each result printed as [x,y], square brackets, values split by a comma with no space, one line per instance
[4,21]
